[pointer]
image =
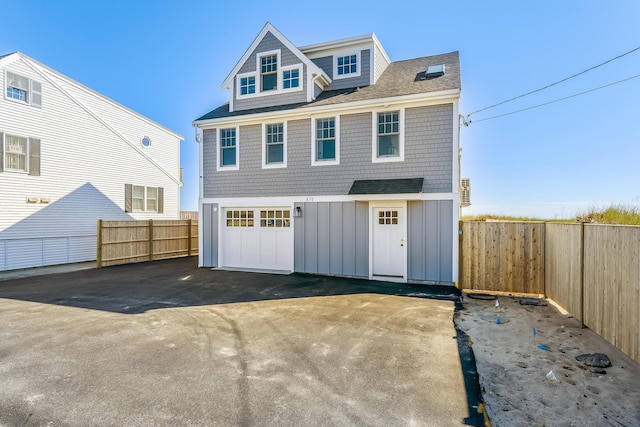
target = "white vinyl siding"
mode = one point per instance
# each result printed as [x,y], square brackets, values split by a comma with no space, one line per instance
[86,159]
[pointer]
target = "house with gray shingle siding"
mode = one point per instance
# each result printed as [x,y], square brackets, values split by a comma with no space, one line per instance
[333,159]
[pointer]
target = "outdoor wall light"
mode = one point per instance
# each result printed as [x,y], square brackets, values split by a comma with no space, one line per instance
[297,213]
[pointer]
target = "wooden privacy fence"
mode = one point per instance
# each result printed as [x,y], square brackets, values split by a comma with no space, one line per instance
[502,256]
[123,242]
[590,270]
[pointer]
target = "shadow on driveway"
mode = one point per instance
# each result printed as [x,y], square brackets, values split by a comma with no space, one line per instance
[136,288]
[140,288]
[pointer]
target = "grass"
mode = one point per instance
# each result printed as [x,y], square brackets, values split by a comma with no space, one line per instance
[615,214]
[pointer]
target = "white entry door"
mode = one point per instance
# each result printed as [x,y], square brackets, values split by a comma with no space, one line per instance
[389,243]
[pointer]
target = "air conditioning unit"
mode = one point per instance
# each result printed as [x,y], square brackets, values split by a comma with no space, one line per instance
[465,192]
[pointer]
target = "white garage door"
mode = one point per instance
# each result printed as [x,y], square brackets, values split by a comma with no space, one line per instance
[257,238]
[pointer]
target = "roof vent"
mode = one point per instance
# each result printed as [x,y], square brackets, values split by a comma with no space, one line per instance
[434,71]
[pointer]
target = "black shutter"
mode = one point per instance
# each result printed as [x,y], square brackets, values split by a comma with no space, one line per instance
[160,200]
[128,197]
[34,157]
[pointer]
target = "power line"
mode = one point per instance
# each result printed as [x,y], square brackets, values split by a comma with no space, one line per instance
[554,101]
[552,84]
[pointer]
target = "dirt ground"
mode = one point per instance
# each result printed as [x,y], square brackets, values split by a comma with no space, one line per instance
[513,370]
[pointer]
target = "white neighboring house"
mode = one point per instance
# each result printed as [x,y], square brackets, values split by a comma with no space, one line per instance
[69,157]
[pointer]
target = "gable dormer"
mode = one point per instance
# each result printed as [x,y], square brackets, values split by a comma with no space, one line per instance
[273,72]
[353,62]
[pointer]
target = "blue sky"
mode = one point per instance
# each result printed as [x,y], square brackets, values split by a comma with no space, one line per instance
[167,60]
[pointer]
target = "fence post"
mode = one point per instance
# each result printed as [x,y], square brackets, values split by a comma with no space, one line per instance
[99,245]
[582,274]
[150,240]
[459,284]
[189,234]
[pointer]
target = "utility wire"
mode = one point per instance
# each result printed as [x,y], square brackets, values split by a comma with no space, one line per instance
[552,84]
[557,100]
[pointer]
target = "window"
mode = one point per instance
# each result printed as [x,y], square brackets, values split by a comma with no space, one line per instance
[228,151]
[15,153]
[247,85]
[274,152]
[291,79]
[138,198]
[23,89]
[19,154]
[388,134]
[275,218]
[152,199]
[346,64]
[240,218]
[388,144]
[325,148]
[388,217]
[269,72]
[145,142]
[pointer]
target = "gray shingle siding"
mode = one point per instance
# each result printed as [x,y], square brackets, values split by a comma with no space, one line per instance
[326,63]
[268,43]
[428,154]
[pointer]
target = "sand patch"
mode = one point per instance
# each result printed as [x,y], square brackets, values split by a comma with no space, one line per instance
[513,366]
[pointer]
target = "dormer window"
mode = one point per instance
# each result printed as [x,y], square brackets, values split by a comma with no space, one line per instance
[247,85]
[346,64]
[291,78]
[269,72]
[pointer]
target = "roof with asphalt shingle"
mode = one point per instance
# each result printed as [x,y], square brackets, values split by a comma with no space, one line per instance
[401,78]
[387,186]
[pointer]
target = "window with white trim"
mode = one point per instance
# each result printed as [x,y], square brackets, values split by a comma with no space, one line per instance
[152,199]
[227,149]
[247,85]
[15,153]
[139,198]
[269,72]
[346,64]
[274,145]
[23,89]
[325,149]
[388,136]
[291,78]
[19,154]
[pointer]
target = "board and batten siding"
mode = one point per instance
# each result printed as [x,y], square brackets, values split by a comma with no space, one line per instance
[84,167]
[430,241]
[332,238]
[209,235]
[428,148]
[269,43]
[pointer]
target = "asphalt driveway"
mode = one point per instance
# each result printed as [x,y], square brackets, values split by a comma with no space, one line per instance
[166,343]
